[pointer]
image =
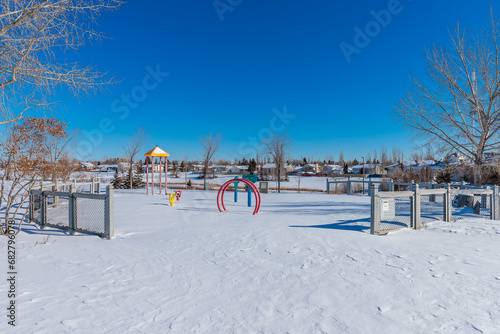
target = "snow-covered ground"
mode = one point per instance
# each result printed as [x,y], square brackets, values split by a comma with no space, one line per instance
[304,264]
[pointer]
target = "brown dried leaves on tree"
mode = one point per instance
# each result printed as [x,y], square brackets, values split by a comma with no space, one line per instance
[25,157]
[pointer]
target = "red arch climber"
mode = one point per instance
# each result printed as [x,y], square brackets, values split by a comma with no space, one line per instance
[222,190]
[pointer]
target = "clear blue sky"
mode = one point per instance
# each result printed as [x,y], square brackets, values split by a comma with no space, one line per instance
[229,75]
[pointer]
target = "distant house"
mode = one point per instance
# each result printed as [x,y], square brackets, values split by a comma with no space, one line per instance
[124,165]
[107,168]
[455,158]
[158,168]
[415,166]
[491,157]
[197,168]
[217,169]
[334,169]
[270,167]
[87,166]
[311,168]
[237,169]
[368,169]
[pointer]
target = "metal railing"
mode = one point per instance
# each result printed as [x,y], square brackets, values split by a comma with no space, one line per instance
[394,210]
[74,211]
[351,187]
[94,185]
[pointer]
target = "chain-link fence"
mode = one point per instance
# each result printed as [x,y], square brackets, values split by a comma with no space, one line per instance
[431,207]
[89,214]
[76,212]
[469,203]
[396,213]
[57,213]
[395,210]
[35,206]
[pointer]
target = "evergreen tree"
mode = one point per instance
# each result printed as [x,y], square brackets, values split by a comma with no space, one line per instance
[137,180]
[118,181]
[252,166]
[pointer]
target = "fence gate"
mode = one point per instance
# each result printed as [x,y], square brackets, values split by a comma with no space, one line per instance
[76,212]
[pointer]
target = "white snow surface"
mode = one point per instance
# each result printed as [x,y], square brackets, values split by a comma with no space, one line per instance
[304,264]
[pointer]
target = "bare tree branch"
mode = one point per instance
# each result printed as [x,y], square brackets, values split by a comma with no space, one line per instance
[32,34]
[211,145]
[132,147]
[458,106]
[277,146]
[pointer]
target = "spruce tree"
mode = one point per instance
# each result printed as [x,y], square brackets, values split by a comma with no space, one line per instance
[118,181]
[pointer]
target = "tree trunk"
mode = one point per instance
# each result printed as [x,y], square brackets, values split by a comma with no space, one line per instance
[477,174]
[205,170]
[130,174]
[279,179]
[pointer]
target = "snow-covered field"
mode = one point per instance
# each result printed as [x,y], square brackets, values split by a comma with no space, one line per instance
[303,182]
[305,264]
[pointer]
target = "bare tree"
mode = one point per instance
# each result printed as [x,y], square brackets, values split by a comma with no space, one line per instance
[384,158]
[32,36]
[277,145]
[132,147]
[458,107]
[25,157]
[211,145]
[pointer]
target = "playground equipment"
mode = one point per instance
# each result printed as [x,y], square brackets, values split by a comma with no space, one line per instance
[251,187]
[174,196]
[152,154]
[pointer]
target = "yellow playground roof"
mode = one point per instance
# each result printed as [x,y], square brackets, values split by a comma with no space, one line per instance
[156,152]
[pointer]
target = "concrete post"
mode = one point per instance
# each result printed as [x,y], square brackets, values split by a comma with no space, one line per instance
[109,216]
[375,212]
[72,220]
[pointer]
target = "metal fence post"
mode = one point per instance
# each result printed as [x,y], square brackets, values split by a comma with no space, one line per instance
[375,212]
[30,206]
[349,185]
[432,198]
[92,186]
[56,198]
[327,186]
[417,224]
[370,184]
[109,225]
[462,185]
[494,203]
[43,209]
[391,185]
[447,204]
[72,209]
